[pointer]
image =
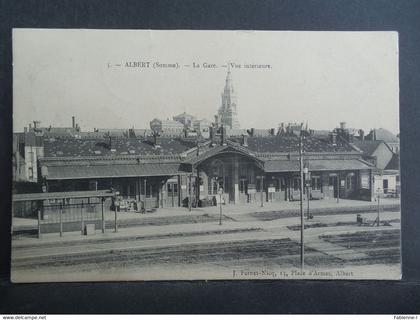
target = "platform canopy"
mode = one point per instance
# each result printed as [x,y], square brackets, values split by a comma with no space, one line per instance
[66,172]
[62,195]
[316,165]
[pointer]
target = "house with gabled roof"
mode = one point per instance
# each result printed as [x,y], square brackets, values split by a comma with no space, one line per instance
[386,176]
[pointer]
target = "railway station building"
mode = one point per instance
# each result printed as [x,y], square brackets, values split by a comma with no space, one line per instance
[171,172]
[229,165]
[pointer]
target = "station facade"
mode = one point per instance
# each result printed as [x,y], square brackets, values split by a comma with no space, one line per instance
[172,172]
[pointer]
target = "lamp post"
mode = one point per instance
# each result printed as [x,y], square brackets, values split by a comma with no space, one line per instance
[302,222]
[379,208]
[308,196]
[220,192]
[115,212]
[338,187]
[102,214]
[261,178]
[190,193]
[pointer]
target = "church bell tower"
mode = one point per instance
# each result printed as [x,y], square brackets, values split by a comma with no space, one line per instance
[227,112]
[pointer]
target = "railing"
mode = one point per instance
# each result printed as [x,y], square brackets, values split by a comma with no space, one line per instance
[71,213]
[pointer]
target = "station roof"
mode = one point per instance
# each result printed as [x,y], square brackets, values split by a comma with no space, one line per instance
[229,147]
[62,147]
[316,165]
[367,146]
[112,171]
[290,143]
[61,195]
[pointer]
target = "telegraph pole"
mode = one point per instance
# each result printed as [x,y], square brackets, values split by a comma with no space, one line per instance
[115,213]
[302,222]
[379,206]
[220,205]
[190,193]
[338,187]
[308,198]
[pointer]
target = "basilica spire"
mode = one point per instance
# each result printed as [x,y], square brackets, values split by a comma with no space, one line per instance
[227,112]
[228,84]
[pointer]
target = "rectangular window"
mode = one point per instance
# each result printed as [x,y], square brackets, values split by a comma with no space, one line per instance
[332,180]
[385,185]
[243,186]
[296,183]
[316,183]
[209,185]
[31,156]
[282,184]
[276,184]
[31,173]
[259,185]
[350,181]
[151,191]
[221,185]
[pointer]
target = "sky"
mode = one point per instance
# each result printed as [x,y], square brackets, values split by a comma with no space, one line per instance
[322,78]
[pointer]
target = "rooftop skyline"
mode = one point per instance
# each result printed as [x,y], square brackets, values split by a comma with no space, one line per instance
[320,77]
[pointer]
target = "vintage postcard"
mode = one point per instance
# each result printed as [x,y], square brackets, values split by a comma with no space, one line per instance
[172,155]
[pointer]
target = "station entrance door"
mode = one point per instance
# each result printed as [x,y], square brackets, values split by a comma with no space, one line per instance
[173,194]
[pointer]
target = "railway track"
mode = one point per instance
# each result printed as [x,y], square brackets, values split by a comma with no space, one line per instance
[185,254]
[380,246]
[132,238]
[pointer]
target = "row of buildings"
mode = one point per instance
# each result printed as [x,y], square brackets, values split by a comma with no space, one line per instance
[169,168]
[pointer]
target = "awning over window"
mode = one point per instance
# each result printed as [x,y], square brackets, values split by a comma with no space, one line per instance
[112,171]
[316,165]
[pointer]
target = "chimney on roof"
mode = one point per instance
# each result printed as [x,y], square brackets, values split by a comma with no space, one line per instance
[272,131]
[73,122]
[281,128]
[30,127]
[371,135]
[211,133]
[342,125]
[251,132]
[361,134]
[36,124]
[244,141]
[223,135]
[333,138]
[25,129]
[155,136]
[131,133]
[198,148]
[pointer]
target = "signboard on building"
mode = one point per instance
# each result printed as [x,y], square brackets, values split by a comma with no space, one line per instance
[251,188]
[365,181]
